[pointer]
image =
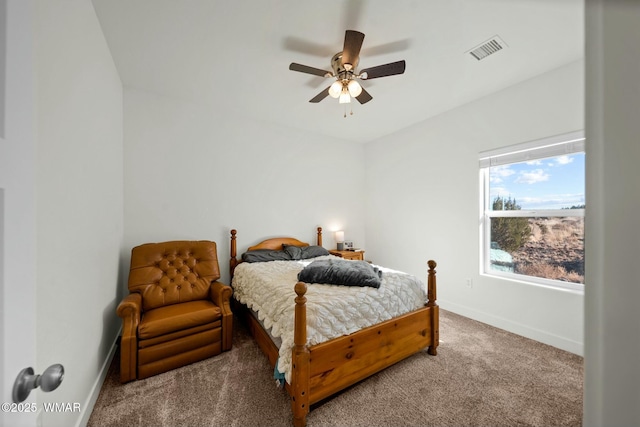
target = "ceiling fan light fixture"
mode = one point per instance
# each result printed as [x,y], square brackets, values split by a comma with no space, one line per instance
[345,98]
[335,89]
[347,79]
[354,88]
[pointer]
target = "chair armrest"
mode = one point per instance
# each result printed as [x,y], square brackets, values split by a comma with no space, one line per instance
[130,307]
[221,296]
[129,310]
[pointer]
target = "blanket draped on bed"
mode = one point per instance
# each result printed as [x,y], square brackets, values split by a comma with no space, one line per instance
[332,311]
[341,272]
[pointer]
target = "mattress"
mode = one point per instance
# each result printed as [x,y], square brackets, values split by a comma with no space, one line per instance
[332,310]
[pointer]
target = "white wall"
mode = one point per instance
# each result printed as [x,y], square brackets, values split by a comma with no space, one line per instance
[195,172]
[423,203]
[612,345]
[79,199]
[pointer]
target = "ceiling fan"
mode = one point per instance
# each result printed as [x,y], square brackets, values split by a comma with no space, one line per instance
[344,66]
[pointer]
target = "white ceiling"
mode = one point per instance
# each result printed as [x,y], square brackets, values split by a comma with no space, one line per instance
[234,55]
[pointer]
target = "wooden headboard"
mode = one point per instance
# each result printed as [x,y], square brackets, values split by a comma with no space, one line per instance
[272,244]
[276,243]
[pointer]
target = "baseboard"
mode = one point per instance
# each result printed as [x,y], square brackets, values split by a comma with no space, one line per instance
[87,408]
[562,343]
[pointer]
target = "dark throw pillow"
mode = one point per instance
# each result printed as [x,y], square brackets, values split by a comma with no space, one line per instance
[313,251]
[341,272]
[294,252]
[265,255]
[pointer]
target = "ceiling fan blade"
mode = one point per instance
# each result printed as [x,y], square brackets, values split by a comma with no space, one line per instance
[387,48]
[319,97]
[364,97]
[310,70]
[307,47]
[385,70]
[352,44]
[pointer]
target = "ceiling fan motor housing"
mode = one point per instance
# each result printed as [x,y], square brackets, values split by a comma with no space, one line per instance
[338,67]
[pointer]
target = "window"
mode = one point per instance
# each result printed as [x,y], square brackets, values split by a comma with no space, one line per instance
[532,211]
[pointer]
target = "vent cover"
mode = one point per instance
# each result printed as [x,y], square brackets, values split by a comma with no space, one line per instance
[487,48]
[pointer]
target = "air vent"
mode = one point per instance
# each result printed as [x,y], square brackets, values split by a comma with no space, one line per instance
[487,48]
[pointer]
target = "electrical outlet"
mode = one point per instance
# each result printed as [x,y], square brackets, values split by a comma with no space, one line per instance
[469,283]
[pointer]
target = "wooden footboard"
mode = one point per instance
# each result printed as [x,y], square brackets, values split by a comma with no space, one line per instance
[324,369]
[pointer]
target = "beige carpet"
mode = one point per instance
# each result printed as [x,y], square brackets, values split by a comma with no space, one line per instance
[482,376]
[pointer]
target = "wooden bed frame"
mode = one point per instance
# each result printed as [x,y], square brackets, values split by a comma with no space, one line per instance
[324,369]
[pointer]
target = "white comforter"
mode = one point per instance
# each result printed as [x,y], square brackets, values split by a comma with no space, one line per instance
[332,311]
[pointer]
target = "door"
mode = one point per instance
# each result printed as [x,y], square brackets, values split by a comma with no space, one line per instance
[17,203]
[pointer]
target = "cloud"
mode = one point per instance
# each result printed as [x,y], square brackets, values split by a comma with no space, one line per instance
[563,160]
[498,191]
[532,176]
[534,163]
[498,173]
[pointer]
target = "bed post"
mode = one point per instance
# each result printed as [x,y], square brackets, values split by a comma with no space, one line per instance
[300,360]
[319,238]
[233,262]
[431,302]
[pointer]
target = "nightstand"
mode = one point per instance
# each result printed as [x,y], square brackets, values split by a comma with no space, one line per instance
[353,255]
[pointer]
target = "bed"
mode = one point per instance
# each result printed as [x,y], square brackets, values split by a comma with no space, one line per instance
[319,367]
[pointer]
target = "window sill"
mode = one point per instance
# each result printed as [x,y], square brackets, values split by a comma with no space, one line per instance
[557,285]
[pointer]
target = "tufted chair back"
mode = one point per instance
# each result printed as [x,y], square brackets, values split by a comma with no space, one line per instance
[173,272]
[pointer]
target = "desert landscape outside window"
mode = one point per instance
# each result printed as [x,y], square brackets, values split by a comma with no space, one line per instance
[532,209]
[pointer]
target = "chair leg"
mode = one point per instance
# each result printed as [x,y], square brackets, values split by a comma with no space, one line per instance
[227,332]
[128,359]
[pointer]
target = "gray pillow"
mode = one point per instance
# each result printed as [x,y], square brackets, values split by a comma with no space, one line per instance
[294,252]
[313,251]
[341,272]
[304,252]
[265,255]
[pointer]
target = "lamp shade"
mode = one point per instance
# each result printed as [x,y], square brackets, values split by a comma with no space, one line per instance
[345,98]
[335,89]
[354,88]
[340,236]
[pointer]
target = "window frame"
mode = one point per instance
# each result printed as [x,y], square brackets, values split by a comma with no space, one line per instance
[569,143]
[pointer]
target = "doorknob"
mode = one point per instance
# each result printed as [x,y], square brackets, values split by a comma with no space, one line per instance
[27,381]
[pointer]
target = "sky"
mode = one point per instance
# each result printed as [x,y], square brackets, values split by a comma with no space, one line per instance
[551,183]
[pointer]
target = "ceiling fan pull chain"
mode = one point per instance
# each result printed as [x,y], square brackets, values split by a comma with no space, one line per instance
[345,111]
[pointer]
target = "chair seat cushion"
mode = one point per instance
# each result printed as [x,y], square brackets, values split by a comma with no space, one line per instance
[176,317]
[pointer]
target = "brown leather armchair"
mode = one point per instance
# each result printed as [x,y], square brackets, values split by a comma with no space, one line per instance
[176,312]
